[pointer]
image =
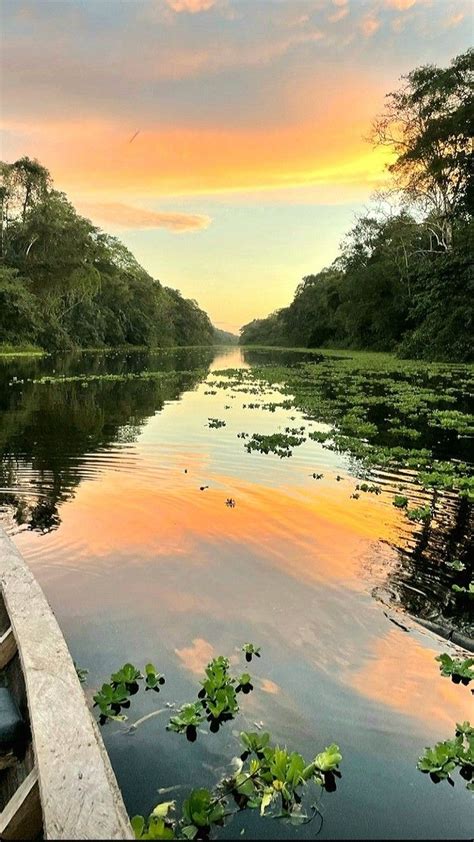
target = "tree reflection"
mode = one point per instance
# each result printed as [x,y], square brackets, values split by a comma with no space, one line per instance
[49,429]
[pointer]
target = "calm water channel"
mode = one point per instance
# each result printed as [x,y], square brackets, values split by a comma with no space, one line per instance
[100,487]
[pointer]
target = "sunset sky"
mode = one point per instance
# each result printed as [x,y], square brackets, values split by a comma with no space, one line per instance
[250,161]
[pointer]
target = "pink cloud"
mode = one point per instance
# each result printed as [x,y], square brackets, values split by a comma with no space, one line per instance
[197,656]
[269,686]
[126,216]
[369,25]
[454,20]
[191,6]
[339,15]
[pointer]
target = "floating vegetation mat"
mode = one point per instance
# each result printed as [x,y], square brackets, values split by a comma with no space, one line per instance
[409,428]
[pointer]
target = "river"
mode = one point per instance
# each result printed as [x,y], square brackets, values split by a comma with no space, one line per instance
[117,491]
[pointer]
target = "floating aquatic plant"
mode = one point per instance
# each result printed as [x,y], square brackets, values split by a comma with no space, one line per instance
[459,670]
[441,760]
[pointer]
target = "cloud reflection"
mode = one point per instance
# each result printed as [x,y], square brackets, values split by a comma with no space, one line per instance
[402,674]
[196,657]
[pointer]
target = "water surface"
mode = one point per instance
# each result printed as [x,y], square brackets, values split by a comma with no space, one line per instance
[100,487]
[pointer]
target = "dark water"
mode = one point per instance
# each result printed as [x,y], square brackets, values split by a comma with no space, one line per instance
[100,488]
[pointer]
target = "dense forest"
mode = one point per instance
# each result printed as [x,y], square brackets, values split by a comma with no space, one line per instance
[64,283]
[403,279]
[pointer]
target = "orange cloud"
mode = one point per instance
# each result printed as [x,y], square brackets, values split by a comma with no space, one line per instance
[400,5]
[196,657]
[402,674]
[192,6]
[269,686]
[126,216]
[184,160]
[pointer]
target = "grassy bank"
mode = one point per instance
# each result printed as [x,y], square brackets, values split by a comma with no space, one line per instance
[35,350]
[20,350]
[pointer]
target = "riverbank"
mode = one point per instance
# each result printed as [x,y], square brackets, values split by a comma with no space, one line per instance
[34,350]
[21,351]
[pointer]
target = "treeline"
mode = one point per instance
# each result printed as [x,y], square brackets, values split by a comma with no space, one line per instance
[64,283]
[403,280]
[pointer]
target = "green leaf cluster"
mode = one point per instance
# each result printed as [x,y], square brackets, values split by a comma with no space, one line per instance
[278,443]
[269,778]
[187,720]
[124,683]
[420,514]
[216,423]
[273,779]
[217,700]
[449,755]
[251,651]
[459,670]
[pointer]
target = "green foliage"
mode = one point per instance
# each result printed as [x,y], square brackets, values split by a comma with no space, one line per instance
[66,284]
[200,811]
[403,279]
[446,756]
[153,679]
[250,651]
[456,565]
[273,780]
[278,443]
[400,501]
[128,674]
[123,684]
[269,779]
[110,699]
[329,759]
[224,337]
[315,435]
[369,488]
[81,673]
[420,514]
[159,824]
[215,423]
[455,668]
[187,720]
[427,123]
[254,742]
[324,390]
[219,692]
[469,591]
[20,318]
[217,699]
[269,331]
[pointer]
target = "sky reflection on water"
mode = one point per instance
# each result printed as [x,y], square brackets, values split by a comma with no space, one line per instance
[146,566]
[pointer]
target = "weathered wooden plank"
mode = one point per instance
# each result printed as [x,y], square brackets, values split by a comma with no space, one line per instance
[21,818]
[7,648]
[80,798]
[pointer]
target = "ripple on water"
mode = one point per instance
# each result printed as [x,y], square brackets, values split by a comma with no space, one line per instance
[143,564]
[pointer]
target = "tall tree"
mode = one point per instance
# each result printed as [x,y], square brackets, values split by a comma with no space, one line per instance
[429,124]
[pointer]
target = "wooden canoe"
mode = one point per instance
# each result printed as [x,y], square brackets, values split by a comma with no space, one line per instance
[56,781]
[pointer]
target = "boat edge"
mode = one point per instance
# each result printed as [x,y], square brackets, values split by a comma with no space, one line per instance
[80,796]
